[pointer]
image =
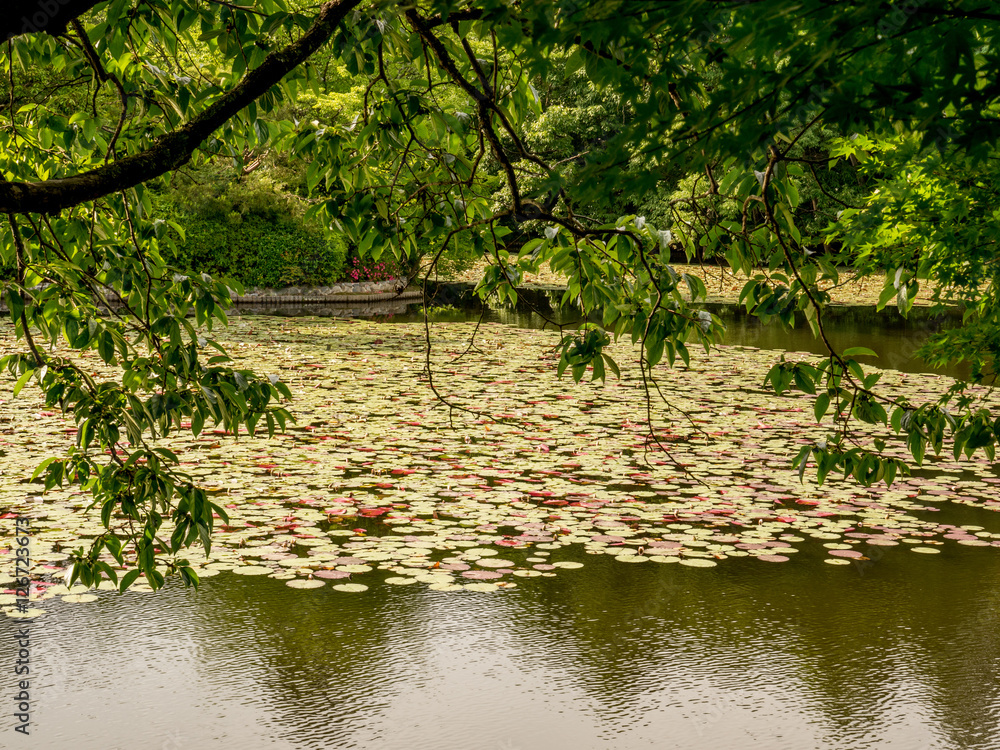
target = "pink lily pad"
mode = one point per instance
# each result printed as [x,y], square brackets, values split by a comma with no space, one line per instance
[332,574]
[846,553]
[482,575]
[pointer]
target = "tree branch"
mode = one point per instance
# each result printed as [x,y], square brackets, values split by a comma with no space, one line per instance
[37,16]
[174,149]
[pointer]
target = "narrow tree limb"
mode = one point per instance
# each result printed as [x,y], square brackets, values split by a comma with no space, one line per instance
[174,149]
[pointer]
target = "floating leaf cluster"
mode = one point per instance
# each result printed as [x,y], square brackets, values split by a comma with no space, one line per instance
[380,482]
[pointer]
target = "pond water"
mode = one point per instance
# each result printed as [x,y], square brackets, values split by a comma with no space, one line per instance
[895,338]
[901,654]
[888,649]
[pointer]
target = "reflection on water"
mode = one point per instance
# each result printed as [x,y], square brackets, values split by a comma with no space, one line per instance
[900,652]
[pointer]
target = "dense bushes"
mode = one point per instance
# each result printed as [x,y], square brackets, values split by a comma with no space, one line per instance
[260,251]
[250,231]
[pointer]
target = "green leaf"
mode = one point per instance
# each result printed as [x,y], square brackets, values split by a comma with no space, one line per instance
[803,382]
[43,466]
[128,579]
[21,382]
[821,406]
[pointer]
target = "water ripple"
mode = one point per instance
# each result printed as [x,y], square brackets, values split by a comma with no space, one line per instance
[747,656]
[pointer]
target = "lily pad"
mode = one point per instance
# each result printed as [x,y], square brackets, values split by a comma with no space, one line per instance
[481,575]
[351,587]
[355,568]
[482,587]
[849,553]
[332,574]
[303,583]
[27,614]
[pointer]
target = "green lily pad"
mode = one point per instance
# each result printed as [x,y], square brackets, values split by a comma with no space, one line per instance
[80,598]
[482,587]
[304,583]
[351,587]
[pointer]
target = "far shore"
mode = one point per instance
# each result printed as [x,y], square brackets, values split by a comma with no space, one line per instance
[724,287]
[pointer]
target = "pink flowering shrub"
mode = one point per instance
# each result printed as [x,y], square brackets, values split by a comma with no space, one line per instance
[372,270]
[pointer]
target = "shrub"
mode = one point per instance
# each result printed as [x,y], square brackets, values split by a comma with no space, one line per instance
[258,251]
[387,267]
[251,232]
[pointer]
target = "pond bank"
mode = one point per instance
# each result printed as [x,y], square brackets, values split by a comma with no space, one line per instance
[545,299]
[722,284]
[354,293]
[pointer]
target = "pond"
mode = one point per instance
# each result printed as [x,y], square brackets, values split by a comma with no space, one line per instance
[498,603]
[899,655]
[894,337]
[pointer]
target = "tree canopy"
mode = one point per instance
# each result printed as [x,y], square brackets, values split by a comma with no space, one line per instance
[793,138]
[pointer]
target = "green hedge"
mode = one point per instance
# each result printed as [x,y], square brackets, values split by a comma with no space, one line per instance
[260,251]
[250,231]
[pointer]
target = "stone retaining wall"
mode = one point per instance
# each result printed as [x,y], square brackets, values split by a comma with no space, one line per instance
[345,292]
[320,295]
[363,309]
[360,291]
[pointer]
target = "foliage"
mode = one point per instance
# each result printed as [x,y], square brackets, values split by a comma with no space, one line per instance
[251,232]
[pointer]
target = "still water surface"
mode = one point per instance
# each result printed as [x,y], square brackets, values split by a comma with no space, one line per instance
[900,652]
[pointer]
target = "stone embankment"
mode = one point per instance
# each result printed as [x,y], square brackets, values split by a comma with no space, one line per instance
[357,294]
[352,292]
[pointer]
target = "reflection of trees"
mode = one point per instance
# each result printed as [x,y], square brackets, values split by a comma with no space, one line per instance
[853,645]
[903,640]
[957,607]
[894,338]
[319,658]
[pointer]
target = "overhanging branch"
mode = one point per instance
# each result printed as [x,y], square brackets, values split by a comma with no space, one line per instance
[174,149]
[36,16]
